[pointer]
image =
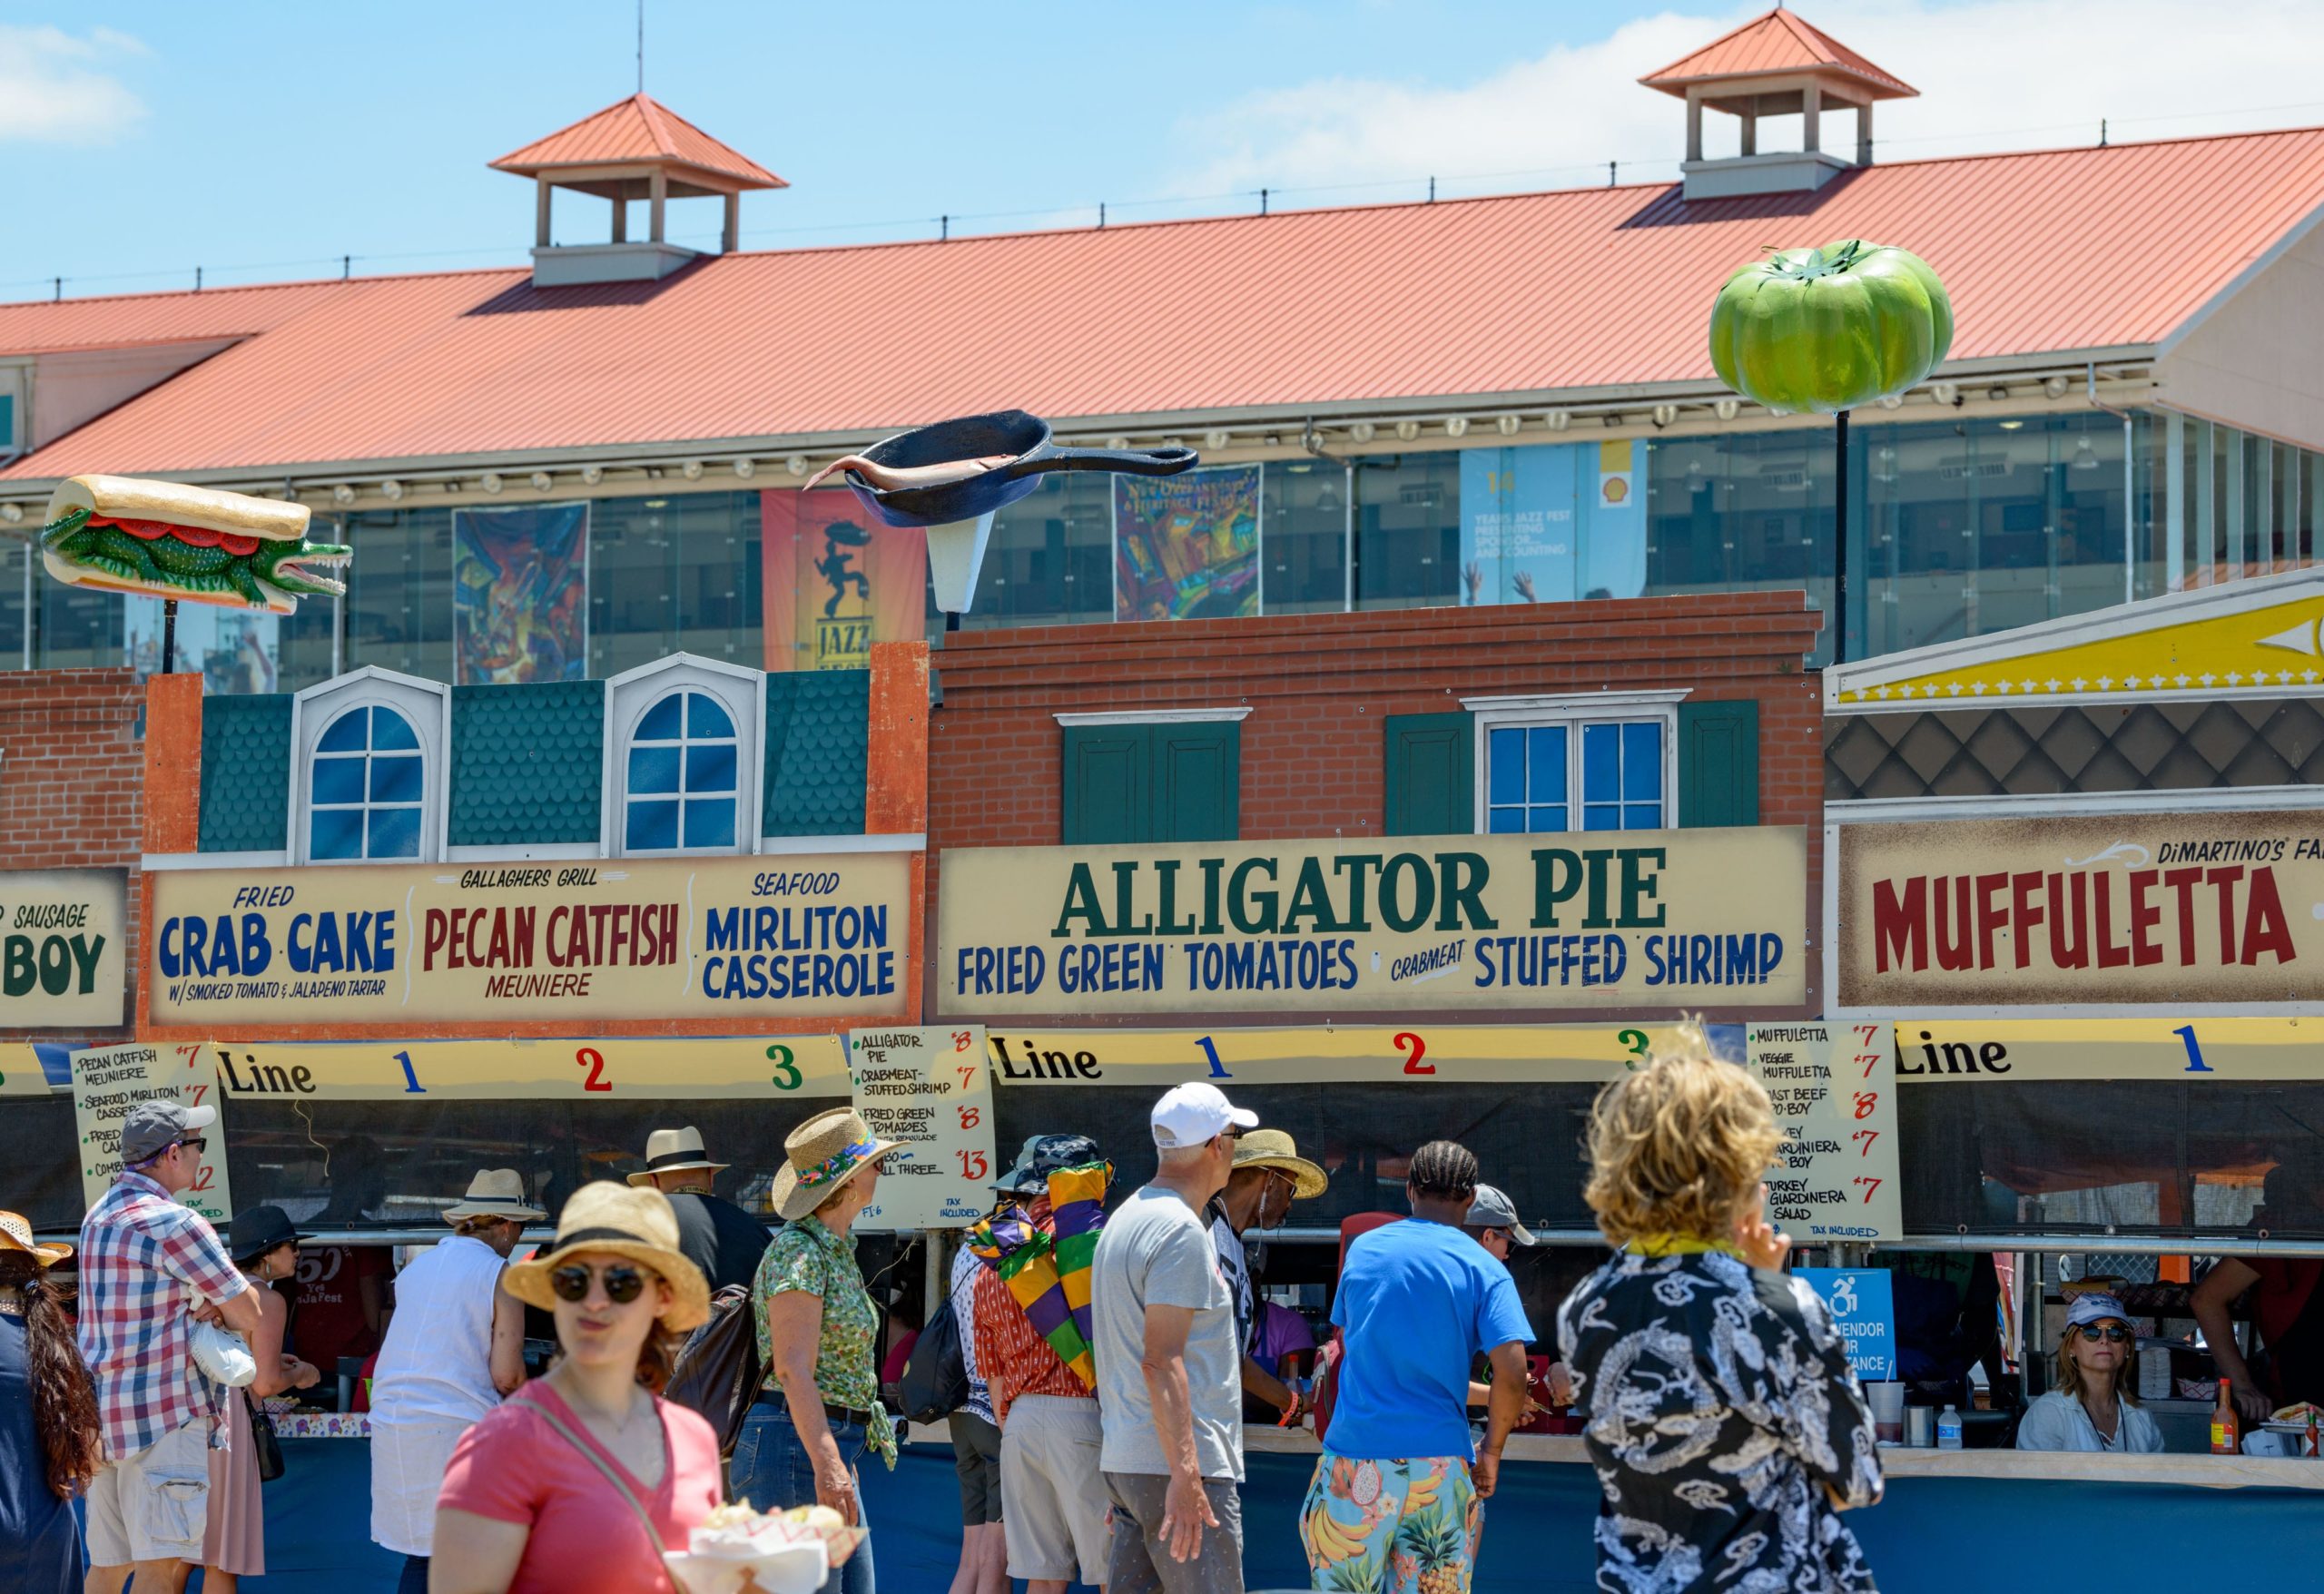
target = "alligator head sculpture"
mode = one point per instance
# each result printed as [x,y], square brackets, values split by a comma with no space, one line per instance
[197,543]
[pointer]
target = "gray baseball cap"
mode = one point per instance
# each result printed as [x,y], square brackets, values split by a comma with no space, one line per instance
[153,1127]
[1492,1210]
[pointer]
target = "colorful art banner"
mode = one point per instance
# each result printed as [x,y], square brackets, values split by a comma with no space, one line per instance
[406,946]
[835,581]
[1663,919]
[1833,1087]
[929,1089]
[1424,1056]
[236,652]
[108,1082]
[64,948]
[655,1068]
[520,594]
[2178,912]
[1187,546]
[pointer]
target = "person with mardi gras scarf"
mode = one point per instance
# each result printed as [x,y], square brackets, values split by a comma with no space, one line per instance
[1031,1316]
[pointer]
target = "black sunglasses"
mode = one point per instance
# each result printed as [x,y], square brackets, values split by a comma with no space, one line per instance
[624,1283]
[194,1142]
[2114,1336]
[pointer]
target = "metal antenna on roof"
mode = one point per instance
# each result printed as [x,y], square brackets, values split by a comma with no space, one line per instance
[59,289]
[640,46]
[2102,133]
[1431,191]
[945,223]
[1262,201]
[1101,215]
[346,267]
[1609,165]
[197,279]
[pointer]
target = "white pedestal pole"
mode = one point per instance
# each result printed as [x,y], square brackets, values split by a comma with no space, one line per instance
[955,554]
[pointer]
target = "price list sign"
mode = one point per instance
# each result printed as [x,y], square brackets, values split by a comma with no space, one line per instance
[1834,1087]
[930,1092]
[109,1081]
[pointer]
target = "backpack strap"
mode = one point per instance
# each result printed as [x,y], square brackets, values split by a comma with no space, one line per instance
[620,1484]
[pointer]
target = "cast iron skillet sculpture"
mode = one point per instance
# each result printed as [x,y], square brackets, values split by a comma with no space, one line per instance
[959,470]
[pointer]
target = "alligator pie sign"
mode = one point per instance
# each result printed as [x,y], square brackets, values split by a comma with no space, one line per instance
[62,957]
[1473,923]
[2174,912]
[691,938]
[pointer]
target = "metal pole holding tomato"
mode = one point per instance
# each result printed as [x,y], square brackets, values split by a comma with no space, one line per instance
[1823,331]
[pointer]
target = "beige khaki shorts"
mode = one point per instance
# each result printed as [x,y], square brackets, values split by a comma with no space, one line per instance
[1055,1518]
[153,1505]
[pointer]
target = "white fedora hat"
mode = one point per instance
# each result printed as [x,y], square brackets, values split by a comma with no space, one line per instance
[668,1150]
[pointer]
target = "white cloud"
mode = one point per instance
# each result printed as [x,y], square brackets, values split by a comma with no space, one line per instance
[1993,75]
[56,88]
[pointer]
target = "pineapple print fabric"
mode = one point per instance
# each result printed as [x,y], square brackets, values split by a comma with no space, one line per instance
[1719,1408]
[1391,1527]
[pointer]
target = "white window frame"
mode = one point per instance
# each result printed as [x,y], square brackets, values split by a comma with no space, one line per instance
[740,691]
[426,706]
[1575,710]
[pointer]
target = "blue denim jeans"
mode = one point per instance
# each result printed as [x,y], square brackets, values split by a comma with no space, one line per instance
[772,1472]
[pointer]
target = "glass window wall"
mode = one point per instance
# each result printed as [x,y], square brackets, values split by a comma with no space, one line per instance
[1408,531]
[1050,558]
[1304,521]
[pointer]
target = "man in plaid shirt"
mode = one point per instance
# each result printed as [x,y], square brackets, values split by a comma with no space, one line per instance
[146,1263]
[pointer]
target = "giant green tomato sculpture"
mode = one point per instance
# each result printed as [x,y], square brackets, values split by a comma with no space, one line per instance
[1827,330]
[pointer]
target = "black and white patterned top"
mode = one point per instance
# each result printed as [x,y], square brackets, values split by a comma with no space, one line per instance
[1718,1404]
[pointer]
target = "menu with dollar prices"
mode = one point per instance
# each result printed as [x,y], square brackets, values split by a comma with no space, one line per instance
[930,1092]
[109,1081]
[1834,1087]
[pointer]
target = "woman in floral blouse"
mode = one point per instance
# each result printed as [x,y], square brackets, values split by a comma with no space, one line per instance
[820,1409]
[1726,1427]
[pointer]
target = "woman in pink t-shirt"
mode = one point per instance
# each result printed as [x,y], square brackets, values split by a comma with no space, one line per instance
[552,1493]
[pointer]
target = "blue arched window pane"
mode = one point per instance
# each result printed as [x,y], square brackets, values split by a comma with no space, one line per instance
[710,823]
[395,778]
[366,787]
[339,779]
[335,833]
[391,732]
[395,834]
[651,826]
[653,769]
[684,747]
[706,718]
[661,721]
[347,734]
[711,768]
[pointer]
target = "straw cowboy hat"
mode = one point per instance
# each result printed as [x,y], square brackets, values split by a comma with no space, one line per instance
[1272,1149]
[17,1234]
[820,1155]
[605,1216]
[669,1150]
[495,1193]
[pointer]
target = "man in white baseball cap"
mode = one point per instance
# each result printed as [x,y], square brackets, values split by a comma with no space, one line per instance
[1169,1363]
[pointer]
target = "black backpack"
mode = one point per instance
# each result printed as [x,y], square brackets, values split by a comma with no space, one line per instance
[717,1371]
[935,1382]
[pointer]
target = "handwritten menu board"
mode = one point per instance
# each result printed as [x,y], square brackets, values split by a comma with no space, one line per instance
[109,1081]
[929,1090]
[1834,1087]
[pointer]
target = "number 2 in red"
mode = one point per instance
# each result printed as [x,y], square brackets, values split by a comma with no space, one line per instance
[591,1058]
[1418,1049]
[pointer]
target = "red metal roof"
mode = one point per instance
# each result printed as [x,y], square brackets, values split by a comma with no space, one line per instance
[1583,291]
[638,129]
[1779,42]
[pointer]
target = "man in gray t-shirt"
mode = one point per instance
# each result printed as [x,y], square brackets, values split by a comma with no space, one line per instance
[1169,1366]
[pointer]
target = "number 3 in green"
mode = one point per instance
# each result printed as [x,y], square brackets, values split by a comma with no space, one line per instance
[1634,1042]
[786,1072]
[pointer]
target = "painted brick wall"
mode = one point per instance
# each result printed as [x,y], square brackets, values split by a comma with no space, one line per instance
[1320,685]
[72,772]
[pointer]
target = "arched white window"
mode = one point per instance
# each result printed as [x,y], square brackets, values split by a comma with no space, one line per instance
[684,766]
[370,769]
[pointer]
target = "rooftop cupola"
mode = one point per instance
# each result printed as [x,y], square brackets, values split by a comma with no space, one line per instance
[1775,65]
[634,149]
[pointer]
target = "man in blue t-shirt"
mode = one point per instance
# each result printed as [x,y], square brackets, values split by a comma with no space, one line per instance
[1397,1494]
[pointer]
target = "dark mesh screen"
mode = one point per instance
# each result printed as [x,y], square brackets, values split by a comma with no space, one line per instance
[44,1177]
[2145,1156]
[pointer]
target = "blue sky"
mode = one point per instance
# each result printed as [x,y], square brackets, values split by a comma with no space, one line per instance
[262,142]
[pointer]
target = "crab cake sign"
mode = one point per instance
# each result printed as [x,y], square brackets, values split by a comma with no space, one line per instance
[1595,920]
[62,940]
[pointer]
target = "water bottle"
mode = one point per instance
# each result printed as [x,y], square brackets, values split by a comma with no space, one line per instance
[1948,1429]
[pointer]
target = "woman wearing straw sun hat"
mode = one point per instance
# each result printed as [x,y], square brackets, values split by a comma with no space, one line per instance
[50,1443]
[819,1411]
[580,1482]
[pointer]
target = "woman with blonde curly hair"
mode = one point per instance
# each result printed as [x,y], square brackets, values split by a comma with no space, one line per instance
[1720,1412]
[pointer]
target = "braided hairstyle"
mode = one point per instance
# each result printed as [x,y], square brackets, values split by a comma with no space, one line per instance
[64,1404]
[1445,1168]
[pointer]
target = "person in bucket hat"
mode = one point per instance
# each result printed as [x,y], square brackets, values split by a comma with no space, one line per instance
[455,1346]
[47,1410]
[524,1505]
[716,1236]
[818,1413]
[1266,1177]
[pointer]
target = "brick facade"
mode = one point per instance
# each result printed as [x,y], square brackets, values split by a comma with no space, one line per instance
[1319,687]
[72,772]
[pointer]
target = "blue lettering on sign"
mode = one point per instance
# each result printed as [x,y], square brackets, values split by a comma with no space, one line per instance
[1862,1303]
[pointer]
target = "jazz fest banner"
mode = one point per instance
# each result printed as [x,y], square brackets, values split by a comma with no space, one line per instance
[2181,912]
[1537,525]
[741,940]
[520,594]
[64,948]
[1187,546]
[835,581]
[1659,918]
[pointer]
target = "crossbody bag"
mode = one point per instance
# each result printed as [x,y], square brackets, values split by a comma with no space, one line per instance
[644,1520]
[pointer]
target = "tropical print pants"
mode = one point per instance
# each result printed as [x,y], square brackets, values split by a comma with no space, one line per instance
[1399,1527]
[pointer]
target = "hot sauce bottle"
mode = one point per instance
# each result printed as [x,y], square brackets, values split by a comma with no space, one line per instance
[2227,1423]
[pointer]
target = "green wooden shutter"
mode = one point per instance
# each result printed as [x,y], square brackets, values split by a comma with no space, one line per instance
[1718,763]
[1107,788]
[1198,777]
[1431,774]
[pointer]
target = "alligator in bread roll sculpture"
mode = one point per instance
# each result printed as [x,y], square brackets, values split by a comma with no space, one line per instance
[125,535]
